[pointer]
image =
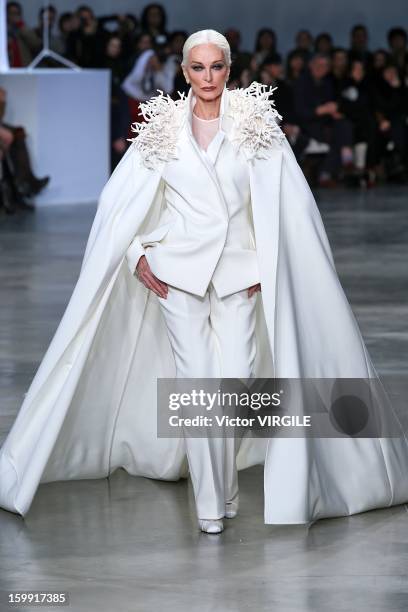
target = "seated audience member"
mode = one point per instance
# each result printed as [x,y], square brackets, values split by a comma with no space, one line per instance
[339,68]
[391,109]
[8,202]
[295,66]
[271,73]
[356,102]
[18,160]
[320,118]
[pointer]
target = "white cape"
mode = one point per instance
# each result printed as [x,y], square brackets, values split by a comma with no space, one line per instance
[91,407]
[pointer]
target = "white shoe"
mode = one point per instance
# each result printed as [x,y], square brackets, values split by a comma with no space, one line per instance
[315,148]
[231,509]
[211,525]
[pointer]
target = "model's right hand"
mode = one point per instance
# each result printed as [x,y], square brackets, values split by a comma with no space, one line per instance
[146,276]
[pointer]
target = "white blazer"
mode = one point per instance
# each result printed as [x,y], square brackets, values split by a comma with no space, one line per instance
[205,231]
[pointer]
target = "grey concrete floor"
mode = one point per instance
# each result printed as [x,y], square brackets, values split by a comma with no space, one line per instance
[131,544]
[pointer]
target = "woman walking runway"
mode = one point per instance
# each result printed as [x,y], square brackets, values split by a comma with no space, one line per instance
[207,258]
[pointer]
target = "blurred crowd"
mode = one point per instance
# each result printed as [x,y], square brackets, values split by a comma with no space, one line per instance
[344,110]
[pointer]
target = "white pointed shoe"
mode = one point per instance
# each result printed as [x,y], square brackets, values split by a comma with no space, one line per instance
[231,508]
[211,525]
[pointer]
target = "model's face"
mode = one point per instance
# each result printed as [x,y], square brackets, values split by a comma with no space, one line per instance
[207,71]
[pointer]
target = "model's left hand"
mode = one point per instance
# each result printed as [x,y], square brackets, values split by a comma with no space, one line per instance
[253,289]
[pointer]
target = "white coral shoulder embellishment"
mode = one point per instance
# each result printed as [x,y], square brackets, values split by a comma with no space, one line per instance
[157,136]
[255,120]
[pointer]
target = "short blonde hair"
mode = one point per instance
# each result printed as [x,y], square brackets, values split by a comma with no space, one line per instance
[203,37]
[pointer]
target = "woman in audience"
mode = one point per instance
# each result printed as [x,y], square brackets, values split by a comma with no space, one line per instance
[264,45]
[120,114]
[295,65]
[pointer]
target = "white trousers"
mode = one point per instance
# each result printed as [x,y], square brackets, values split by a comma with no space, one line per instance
[211,337]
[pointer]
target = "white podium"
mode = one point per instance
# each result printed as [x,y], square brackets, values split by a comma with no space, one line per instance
[66,115]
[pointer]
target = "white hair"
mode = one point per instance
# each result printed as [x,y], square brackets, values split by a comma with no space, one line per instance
[203,37]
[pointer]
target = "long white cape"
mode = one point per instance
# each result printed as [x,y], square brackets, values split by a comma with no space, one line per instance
[91,407]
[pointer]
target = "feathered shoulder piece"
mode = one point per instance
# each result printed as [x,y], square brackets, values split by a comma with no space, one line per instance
[157,136]
[255,120]
[253,127]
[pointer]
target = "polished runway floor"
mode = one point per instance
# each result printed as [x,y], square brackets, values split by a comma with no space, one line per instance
[131,544]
